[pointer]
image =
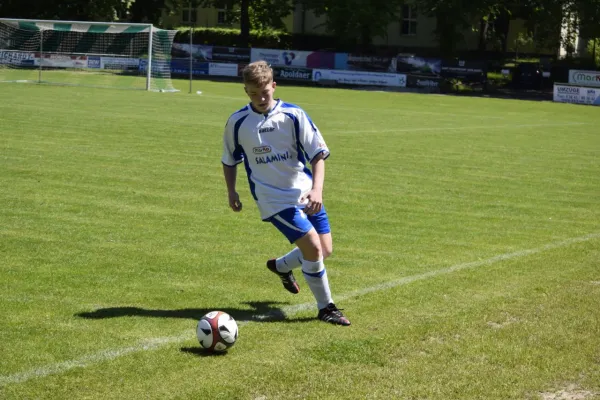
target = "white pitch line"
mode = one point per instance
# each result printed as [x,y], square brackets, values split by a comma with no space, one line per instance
[156,343]
[290,310]
[460,128]
[86,361]
[393,111]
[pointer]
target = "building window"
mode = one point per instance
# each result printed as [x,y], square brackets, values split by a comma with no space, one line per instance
[189,15]
[408,24]
[222,16]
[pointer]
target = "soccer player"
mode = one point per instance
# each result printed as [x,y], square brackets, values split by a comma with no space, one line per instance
[275,141]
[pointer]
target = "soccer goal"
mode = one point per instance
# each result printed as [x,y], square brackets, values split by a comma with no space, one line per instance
[117,55]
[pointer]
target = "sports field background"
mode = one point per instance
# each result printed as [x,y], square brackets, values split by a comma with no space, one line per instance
[466,248]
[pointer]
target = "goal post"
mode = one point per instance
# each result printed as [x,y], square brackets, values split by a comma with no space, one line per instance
[79,53]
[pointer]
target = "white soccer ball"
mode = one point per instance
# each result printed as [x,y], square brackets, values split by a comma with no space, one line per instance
[217,331]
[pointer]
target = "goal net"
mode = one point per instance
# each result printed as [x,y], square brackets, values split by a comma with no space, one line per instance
[131,56]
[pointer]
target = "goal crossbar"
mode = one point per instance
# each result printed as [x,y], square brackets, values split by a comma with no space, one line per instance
[95,27]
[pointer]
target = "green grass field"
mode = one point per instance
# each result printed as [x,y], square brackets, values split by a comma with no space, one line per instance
[466,250]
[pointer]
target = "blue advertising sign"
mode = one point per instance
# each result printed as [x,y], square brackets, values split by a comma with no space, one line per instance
[179,66]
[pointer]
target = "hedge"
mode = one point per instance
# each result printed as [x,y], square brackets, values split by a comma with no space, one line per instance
[272,39]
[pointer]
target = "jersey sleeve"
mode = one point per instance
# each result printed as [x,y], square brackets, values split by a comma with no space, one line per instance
[310,137]
[232,156]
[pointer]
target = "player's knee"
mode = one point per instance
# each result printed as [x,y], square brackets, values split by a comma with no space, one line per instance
[312,253]
[310,246]
[327,250]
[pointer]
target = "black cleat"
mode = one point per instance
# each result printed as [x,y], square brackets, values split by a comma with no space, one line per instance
[287,278]
[333,315]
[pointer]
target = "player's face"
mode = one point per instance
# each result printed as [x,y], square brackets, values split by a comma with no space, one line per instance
[261,96]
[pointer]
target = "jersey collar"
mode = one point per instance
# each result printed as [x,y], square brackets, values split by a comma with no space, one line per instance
[273,110]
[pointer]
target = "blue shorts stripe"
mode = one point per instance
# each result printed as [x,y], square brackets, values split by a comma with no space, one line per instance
[294,223]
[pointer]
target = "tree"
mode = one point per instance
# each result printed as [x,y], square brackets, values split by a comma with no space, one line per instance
[356,22]
[269,14]
[148,10]
[589,25]
[255,14]
[88,10]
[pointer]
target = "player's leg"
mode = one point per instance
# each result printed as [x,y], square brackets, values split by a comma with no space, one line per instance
[315,274]
[320,221]
[313,246]
[293,224]
[326,244]
[293,259]
[307,233]
[287,262]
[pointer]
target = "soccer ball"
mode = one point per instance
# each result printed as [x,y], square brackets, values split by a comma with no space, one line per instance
[217,331]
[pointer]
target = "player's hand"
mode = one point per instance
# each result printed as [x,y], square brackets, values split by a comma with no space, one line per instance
[315,202]
[234,202]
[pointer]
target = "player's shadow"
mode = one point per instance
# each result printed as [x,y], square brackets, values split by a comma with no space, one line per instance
[261,311]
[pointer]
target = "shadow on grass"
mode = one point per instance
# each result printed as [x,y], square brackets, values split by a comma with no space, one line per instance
[200,352]
[261,311]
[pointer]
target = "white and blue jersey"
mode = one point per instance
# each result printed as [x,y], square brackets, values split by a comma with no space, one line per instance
[276,149]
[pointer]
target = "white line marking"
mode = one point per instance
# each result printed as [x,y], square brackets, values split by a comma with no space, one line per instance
[156,343]
[459,128]
[86,361]
[408,112]
[393,111]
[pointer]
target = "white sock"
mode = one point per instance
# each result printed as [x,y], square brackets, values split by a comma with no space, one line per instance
[291,260]
[316,276]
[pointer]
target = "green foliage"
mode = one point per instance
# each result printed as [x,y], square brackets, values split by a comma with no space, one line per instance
[356,21]
[229,37]
[268,38]
[522,40]
[80,10]
[268,14]
[262,15]
[593,49]
[147,10]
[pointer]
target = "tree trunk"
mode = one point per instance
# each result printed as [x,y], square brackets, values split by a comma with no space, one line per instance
[483,28]
[244,24]
[502,26]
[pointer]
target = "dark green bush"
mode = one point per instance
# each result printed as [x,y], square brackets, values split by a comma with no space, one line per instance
[272,39]
[230,37]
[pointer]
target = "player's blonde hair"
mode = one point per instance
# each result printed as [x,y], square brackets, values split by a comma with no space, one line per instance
[258,73]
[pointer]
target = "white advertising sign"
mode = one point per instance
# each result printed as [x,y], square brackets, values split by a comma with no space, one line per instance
[62,61]
[223,69]
[360,77]
[576,94]
[585,78]
[288,58]
[119,63]
[16,57]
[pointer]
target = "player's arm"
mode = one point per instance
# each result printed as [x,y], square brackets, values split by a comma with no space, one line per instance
[230,159]
[315,196]
[317,150]
[230,174]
